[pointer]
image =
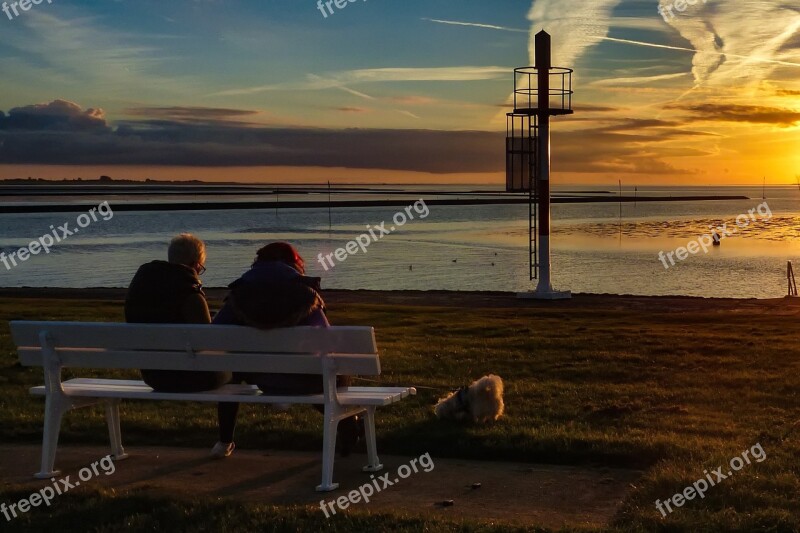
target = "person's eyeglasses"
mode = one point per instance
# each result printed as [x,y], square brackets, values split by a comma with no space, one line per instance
[201,269]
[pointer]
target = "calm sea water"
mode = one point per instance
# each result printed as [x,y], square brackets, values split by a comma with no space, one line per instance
[454,248]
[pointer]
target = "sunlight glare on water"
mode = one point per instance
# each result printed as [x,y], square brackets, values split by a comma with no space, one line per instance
[455,248]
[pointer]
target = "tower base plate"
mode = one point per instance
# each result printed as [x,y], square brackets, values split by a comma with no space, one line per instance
[545,295]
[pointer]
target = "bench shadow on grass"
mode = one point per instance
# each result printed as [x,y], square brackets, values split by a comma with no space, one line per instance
[168,470]
[191,466]
[271,478]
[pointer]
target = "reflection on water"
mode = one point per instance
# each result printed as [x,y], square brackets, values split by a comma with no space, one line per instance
[778,228]
[454,248]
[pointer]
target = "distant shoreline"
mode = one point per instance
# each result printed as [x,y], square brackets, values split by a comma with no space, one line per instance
[442,298]
[249,205]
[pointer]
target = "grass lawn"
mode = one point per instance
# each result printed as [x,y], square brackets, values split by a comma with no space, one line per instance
[671,391]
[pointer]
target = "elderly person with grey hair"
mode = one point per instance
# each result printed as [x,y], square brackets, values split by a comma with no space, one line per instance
[170,292]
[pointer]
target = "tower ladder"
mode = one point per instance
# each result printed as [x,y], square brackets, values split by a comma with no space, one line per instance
[533,194]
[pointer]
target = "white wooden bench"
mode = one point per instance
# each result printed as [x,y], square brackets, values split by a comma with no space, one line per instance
[347,351]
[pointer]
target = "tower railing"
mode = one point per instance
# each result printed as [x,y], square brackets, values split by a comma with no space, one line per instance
[521,132]
[522,136]
[526,90]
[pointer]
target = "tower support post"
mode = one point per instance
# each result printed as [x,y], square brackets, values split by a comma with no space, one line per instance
[544,289]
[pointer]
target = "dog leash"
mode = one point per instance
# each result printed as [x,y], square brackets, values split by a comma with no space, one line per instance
[415,386]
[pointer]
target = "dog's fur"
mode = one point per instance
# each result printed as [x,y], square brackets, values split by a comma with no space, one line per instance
[481,402]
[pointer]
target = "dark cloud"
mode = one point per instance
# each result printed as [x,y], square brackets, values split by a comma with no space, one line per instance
[352,109]
[613,153]
[413,100]
[741,113]
[787,92]
[632,124]
[627,146]
[184,136]
[58,115]
[63,135]
[595,109]
[190,114]
[792,43]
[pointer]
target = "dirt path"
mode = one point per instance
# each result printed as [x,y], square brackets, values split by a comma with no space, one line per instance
[513,493]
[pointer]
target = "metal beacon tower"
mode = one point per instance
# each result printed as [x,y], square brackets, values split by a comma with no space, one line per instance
[540,92]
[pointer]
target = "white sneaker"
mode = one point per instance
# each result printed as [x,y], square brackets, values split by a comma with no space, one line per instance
[222,450]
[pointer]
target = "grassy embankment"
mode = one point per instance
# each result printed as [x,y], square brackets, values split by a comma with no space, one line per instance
[670,392]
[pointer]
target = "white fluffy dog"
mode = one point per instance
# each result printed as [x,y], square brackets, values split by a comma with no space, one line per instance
[481,402]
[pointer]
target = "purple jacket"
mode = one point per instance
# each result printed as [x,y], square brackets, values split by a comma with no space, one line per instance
[273,294]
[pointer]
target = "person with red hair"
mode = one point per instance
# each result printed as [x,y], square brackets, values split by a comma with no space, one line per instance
[276,293]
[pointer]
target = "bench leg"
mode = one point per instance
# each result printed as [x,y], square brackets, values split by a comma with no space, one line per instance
[114,432]
[372,450]
[328,453]
[53,413]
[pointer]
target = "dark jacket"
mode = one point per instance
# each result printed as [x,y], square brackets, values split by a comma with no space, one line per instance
[165,293]
[271,295]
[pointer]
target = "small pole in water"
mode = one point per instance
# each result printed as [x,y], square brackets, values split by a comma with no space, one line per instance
[764,189]
[620,212]
[330,219]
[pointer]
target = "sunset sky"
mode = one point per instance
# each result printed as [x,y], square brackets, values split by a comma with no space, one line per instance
[411,91]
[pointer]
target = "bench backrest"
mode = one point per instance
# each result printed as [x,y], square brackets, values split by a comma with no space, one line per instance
[352,350]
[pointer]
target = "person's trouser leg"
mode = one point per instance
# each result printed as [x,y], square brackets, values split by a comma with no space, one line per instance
[350,429]
[272,384]
[226,414]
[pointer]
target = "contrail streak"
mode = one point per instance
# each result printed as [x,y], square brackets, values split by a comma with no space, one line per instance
[667,47]
[651,45]
[475,25]
[625,41]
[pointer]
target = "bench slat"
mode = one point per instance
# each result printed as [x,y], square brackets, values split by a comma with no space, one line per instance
[346,364]
[201,337]
[403,391]
[138,390]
